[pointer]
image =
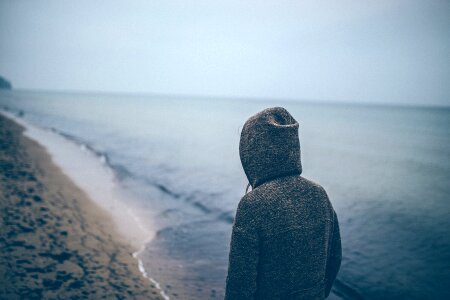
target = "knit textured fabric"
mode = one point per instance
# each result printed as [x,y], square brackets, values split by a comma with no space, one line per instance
[285,242]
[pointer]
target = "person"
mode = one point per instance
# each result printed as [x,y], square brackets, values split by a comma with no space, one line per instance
[285,242]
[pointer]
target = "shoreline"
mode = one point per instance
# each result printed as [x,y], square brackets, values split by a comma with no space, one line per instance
[55,240]
[89,171]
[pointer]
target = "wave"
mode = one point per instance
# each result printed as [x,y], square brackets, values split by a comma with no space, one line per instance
[122,172]
[103,156]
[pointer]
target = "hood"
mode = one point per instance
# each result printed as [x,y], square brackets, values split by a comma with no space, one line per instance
[270,146]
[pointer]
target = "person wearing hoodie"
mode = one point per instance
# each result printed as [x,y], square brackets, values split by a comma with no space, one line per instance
[285,242]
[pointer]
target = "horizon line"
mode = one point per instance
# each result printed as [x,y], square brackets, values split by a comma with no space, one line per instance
[234,97]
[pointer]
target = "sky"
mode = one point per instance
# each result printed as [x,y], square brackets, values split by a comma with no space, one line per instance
[382,51]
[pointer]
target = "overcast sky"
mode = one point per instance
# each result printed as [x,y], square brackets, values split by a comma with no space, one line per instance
[365,51]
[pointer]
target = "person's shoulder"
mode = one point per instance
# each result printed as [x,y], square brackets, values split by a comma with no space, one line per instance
[251,201]
[313,186]
[247,210]
[248,199]
[317,192]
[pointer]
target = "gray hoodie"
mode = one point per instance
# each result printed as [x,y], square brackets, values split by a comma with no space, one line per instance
[285,242]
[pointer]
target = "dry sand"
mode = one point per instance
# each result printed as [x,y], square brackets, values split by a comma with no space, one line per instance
[55,243]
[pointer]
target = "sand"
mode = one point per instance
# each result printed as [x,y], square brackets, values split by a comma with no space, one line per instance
[55,243]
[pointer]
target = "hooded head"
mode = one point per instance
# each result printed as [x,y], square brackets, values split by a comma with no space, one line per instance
[269,146]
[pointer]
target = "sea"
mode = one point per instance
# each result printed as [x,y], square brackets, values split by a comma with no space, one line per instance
[168,170]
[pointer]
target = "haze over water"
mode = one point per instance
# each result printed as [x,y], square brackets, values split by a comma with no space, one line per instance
[385,168]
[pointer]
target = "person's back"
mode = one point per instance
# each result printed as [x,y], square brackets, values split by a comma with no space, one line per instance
[285,242]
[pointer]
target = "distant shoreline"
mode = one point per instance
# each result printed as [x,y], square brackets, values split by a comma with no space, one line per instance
[55,241]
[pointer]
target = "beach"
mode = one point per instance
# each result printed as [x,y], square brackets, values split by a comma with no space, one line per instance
[55,242]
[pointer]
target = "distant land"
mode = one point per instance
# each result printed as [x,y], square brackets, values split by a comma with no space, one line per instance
[5,84]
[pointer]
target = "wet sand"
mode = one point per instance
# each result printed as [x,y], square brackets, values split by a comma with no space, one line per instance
[55,243]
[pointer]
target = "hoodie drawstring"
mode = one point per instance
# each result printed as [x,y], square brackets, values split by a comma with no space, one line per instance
[248,185]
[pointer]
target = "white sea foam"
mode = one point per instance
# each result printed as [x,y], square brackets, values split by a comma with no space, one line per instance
[145,274]
[91,173]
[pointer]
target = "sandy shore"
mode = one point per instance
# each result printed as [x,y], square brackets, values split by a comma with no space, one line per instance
[55,243]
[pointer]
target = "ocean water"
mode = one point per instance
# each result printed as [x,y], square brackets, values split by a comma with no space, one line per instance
[174,167]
